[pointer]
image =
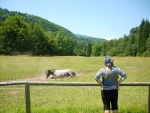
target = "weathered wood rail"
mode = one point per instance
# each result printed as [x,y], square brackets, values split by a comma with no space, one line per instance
[28,83]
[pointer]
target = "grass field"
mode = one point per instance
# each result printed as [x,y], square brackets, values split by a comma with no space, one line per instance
[52,99]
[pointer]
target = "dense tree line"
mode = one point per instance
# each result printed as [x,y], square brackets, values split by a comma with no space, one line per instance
[27,34]
[137,43]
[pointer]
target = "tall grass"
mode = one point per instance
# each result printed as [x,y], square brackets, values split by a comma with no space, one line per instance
[52,99]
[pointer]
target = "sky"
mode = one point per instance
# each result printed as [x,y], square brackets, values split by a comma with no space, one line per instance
[107,19]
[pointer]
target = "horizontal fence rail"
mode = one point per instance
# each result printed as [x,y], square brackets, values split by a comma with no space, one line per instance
[70,83]
[28,83]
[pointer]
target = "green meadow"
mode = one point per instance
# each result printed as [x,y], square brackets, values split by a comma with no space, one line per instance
[70,99]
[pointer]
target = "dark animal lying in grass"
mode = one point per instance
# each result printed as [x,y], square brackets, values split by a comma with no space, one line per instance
[60,73]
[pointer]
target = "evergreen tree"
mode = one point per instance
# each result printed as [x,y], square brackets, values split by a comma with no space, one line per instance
[104,49]
[143,36]
[147,52]
[88,49]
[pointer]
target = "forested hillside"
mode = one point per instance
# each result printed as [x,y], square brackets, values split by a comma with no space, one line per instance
[23,33]
[28,34]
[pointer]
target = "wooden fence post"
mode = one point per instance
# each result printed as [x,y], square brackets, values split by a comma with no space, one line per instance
[27,97]
[149,99]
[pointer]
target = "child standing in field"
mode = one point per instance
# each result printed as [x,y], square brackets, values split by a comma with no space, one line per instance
[110,84]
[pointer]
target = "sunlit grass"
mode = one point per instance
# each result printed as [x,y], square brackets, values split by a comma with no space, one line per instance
[15,67]
[54,99]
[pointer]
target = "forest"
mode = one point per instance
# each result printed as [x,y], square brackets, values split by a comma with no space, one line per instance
[25,34]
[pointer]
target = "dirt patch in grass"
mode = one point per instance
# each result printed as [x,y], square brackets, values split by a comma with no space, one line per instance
[36,78]
[40,77]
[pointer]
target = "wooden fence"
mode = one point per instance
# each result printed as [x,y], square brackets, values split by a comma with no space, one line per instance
[28,83]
